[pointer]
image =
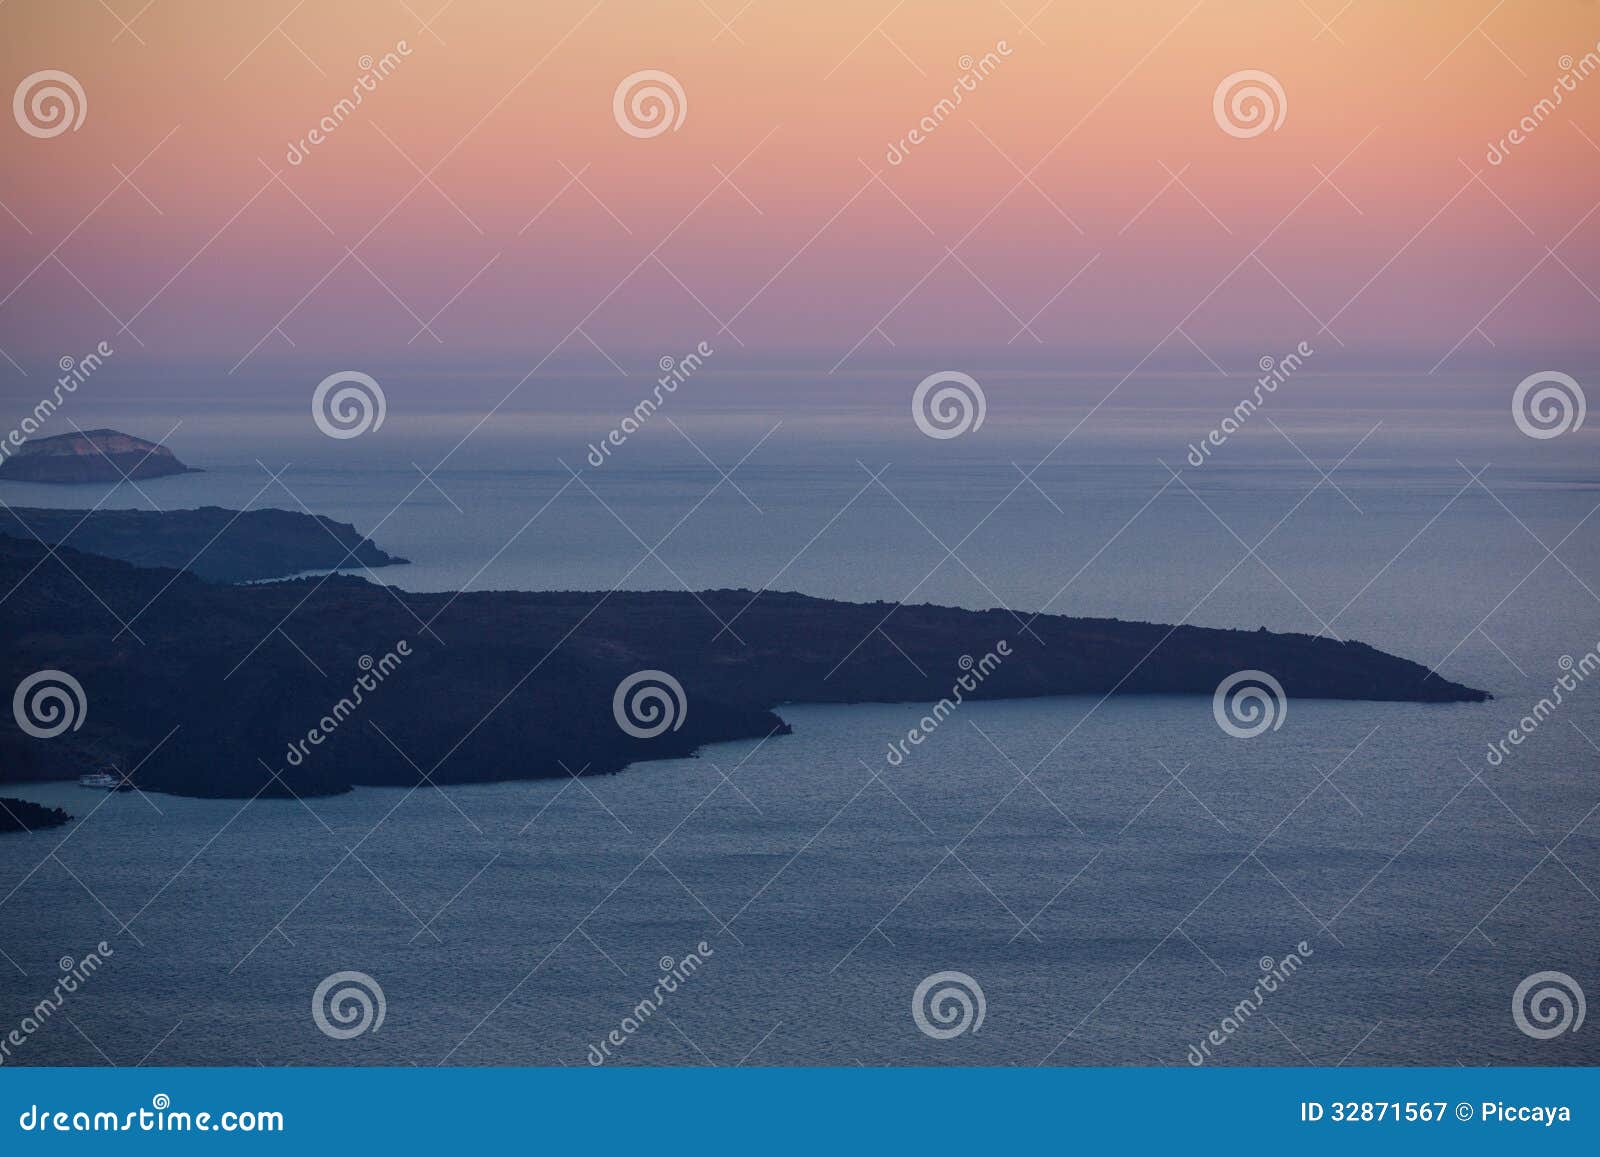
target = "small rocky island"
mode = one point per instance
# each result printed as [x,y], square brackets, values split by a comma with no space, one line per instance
[92,456]
[218,545]
[18,815]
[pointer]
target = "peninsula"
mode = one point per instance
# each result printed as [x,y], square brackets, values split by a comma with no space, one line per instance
[218,545]
[214,690]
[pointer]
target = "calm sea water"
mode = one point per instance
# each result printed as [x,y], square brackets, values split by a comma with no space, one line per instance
[1110,874]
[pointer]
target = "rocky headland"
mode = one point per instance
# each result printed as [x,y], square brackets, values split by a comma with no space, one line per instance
[92,456]
[18,815]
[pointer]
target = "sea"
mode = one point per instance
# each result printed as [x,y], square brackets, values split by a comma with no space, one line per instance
[1066,881]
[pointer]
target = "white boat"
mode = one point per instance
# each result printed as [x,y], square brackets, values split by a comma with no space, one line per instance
[104,780]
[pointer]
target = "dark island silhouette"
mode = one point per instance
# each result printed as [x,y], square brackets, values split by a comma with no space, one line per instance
[215,544]
[19,815]
[214,690]
[90,456]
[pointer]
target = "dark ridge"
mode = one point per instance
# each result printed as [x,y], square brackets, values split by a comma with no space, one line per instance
[509,685]
[216,544]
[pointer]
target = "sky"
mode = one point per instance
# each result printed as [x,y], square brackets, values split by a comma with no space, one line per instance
[484,213]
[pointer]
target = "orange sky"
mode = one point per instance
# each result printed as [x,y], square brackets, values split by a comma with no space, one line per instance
[1091,150]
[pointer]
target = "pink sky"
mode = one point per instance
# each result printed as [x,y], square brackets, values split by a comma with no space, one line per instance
[1084,184]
